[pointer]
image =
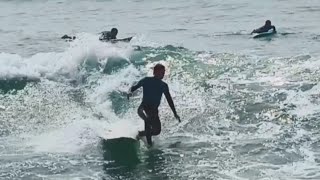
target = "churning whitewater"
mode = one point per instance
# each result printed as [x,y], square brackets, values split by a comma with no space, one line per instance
[249,107]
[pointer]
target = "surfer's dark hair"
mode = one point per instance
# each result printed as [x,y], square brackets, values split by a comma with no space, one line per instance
[115,30]
[158,67]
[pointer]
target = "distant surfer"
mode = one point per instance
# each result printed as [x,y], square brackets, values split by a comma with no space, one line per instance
[153,88]
[109,35]
[265,28]
[105,36]
[68,38]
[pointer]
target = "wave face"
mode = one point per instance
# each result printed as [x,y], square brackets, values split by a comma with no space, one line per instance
[249,107]
[242,116]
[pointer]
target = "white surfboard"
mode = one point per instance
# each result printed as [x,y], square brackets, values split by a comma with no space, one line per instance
[264,34]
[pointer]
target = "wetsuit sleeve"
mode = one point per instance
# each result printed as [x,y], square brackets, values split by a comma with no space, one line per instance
[274,28]
[105,35]
[169,99]
[102,35]
[259,30]
[138,85]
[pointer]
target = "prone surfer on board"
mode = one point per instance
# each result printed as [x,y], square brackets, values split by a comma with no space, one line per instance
[153,88]
[105,36]
[265,28]
[109,35]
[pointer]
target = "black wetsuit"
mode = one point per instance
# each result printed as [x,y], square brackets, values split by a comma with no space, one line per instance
[153,88]
[68,38]
[264,29]
[106,36]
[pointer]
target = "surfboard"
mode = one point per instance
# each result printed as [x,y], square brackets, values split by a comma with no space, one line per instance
[128,39]
[121,150]
[71,38]
[265,34]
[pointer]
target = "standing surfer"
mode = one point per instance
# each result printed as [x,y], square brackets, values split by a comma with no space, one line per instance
[153,88]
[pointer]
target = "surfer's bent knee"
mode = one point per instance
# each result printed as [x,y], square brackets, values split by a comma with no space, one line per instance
[141,113]
[156,131]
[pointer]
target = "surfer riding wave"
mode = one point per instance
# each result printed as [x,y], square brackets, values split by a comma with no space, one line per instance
[153,88]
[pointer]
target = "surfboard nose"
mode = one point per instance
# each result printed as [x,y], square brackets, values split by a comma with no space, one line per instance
[121,151]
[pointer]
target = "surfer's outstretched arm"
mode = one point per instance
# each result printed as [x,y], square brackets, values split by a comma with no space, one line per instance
[171,104]
[135,87]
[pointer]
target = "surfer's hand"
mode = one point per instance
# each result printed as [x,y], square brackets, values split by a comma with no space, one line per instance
[113,40]
[177,117]
[129,94]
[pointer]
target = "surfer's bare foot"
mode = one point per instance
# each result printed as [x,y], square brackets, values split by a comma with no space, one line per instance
[137,137]
[149,145]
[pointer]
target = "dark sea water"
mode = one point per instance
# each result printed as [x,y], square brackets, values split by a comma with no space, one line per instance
[250,108]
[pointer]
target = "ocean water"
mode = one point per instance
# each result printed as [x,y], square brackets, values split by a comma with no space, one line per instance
[250,108]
